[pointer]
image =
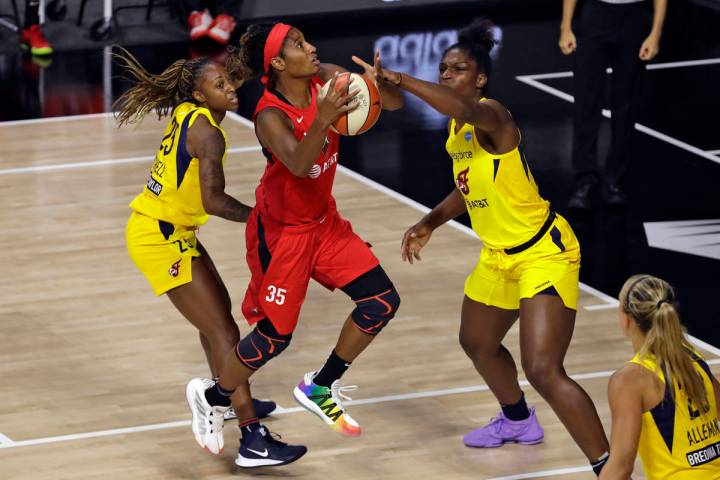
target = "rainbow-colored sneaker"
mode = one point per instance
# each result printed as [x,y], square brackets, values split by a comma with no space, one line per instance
[326,403]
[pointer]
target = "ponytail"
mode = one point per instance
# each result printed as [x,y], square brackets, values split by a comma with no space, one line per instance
[649,301]
[155,92]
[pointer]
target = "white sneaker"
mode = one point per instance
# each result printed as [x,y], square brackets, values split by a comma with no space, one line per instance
[199,23]
[222,28]
[207,421]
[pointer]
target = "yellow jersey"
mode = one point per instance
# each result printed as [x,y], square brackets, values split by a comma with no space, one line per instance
[172,192]
[501,196]
[677,441]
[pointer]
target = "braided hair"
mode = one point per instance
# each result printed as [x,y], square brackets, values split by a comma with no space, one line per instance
[156,92]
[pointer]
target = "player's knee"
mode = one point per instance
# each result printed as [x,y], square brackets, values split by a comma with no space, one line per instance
[543,375]
[261,345]
[476,347]
[373,313]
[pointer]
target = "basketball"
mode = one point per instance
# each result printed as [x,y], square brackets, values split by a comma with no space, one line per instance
[369,103]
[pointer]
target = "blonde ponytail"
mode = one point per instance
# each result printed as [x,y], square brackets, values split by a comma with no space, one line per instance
[649,301]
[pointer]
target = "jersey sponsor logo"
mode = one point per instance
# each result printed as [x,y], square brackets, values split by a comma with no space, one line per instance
[315,171]
[703,455]
[457,156]
[700,433]
[154,186]
[482,203]
[174,271]
[319,169]
[461,181]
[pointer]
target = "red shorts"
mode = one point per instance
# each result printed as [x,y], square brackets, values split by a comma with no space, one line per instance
[283,259]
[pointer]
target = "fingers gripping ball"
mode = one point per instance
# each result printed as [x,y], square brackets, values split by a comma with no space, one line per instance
[369,103]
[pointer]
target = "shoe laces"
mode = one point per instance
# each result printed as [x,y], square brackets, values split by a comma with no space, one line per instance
[271,437]
[338,392]
[495,424]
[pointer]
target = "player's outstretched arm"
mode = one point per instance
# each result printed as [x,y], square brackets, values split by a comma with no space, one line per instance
[206,143]
[489,116]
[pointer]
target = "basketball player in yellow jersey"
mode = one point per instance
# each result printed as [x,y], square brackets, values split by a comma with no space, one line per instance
[186,184]
[530,260]
[664,401]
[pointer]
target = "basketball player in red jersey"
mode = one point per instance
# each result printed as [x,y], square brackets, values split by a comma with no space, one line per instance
[294,234]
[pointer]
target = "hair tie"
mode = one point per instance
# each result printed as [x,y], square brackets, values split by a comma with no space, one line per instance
[658,304]
[273,45]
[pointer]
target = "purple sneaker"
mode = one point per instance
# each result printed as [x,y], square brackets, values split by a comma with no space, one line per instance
[501,430]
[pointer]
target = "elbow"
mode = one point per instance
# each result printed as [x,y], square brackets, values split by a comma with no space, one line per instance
[300,172]
[211,205]
[395,104]
[298,169]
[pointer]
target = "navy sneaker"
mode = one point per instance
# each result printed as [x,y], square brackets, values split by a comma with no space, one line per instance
[263,408]
[262,448]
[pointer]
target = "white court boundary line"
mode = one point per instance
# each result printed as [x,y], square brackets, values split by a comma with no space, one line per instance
[30,121]
[292,410]
[652,66]
[532,80]
[102,163]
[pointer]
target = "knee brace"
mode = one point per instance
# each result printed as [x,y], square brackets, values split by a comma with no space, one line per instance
[261,345]
[372,314]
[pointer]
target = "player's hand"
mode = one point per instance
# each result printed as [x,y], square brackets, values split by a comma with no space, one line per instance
[649,48]
[413,241]
[335,103]
[376,71]
[568,43]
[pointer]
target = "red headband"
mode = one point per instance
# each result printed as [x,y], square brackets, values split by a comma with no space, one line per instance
[273,45]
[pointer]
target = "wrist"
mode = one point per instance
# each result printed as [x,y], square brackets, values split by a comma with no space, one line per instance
[397,79]
[427,222]
[322,123]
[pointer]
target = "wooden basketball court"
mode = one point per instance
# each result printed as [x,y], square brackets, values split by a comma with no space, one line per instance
[93,365]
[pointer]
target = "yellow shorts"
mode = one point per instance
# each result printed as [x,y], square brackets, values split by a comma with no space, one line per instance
[501,280]
[162,251]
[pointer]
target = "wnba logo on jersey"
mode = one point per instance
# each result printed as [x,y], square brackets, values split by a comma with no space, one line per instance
[174,271]
[461,181]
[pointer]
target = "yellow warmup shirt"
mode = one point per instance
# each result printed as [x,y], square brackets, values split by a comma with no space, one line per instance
[172,193]
[677,441]
[501,196]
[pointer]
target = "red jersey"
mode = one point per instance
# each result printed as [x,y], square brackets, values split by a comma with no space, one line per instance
[282,196]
